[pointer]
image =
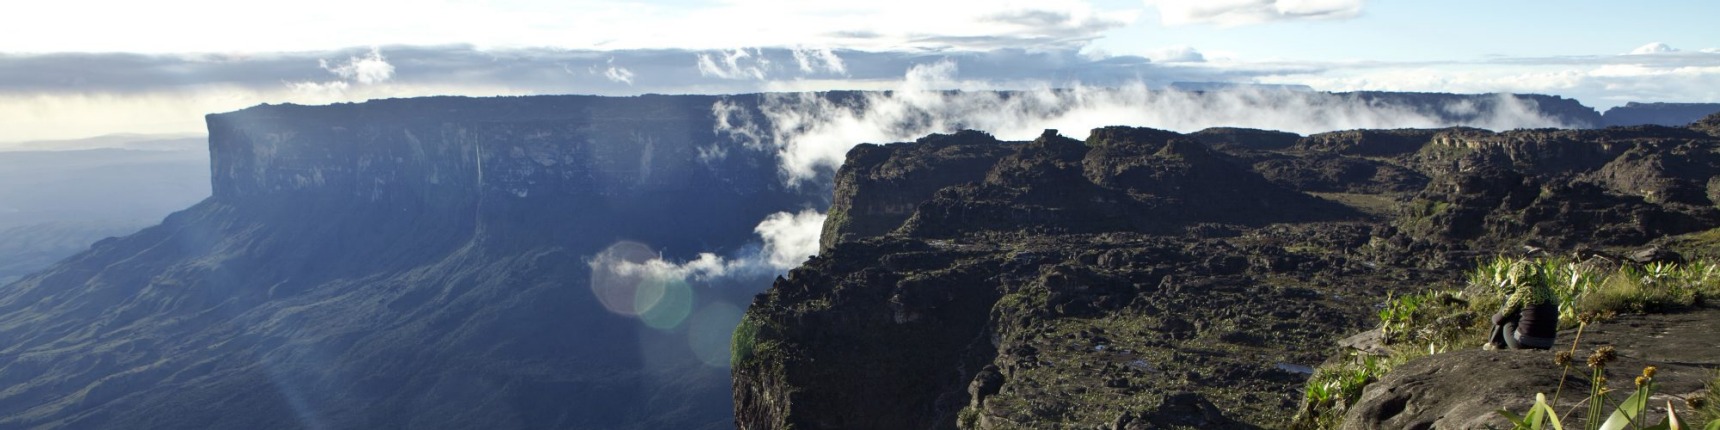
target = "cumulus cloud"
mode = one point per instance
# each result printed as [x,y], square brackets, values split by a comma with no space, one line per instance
[614,73]
[734,64]
[369,69]
[1653,48]
[1245,12]
[812,133]
[822,60]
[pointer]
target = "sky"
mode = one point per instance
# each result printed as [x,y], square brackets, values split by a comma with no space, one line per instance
[79,68]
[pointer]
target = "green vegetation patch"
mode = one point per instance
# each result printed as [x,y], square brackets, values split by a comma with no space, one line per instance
[1421,324]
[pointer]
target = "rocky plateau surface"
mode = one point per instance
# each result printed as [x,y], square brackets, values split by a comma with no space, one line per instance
[1150,279]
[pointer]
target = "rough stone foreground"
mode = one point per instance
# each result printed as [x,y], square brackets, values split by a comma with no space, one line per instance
[1462,390]
[1152,279]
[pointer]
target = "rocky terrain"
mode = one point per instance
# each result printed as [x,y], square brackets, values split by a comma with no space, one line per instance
[1150,279]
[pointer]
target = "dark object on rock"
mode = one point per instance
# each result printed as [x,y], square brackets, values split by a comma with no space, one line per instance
[1655,254]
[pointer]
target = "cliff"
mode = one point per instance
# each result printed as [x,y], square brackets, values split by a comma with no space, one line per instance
[1667,114]
[419,263]
[1144,279]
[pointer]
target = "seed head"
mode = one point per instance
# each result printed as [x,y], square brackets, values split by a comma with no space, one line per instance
[1602,356]
[1641,381]
[1649,371]
[1562,358]
[1586,317]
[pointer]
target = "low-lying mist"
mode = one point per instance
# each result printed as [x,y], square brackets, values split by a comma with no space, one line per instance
[812,132]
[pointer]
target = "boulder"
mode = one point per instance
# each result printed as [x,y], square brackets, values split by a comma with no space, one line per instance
[1463,390]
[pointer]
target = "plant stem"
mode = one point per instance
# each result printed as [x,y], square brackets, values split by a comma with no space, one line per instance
[1567,371]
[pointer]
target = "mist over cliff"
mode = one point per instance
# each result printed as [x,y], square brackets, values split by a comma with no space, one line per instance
[531,262]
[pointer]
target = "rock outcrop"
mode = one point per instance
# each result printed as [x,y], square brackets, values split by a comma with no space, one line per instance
[1462,390]
[1145,279]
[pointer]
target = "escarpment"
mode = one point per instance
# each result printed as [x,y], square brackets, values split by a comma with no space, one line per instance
[1149,279]
[417,263]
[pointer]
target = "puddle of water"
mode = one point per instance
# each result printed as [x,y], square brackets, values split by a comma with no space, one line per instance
[1296,368]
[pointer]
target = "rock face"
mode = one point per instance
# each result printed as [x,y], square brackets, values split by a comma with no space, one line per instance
[420,263]
[1667,114]
[1462,390]
[1145,279]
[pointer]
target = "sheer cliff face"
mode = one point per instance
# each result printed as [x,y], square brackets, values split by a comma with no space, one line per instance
[1142,279]
[418,263]
[1666,114]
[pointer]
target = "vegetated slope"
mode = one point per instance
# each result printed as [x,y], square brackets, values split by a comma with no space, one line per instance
[416,263]
[1143,279]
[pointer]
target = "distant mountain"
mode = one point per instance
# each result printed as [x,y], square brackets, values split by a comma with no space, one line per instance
[444,263]
[56,203]
[1667,114]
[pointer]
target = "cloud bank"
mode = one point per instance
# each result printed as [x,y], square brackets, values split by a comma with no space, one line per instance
[64,96]
[1244,12]
[812,133]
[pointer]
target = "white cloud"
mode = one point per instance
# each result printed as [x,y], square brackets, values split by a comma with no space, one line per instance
[822,60]
[370,69]
[1244,12]
[734,64]
[788,239]
[615,73]
[813,134]
[1176,54]
[1653,48]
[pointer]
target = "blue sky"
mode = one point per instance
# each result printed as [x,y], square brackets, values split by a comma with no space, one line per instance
[157,67]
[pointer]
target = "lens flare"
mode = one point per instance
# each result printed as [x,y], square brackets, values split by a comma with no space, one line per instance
[614,285]
[662,302]
[709,332]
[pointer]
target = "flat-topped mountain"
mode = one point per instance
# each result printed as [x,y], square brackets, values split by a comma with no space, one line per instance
[1667,114]
[420,263]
